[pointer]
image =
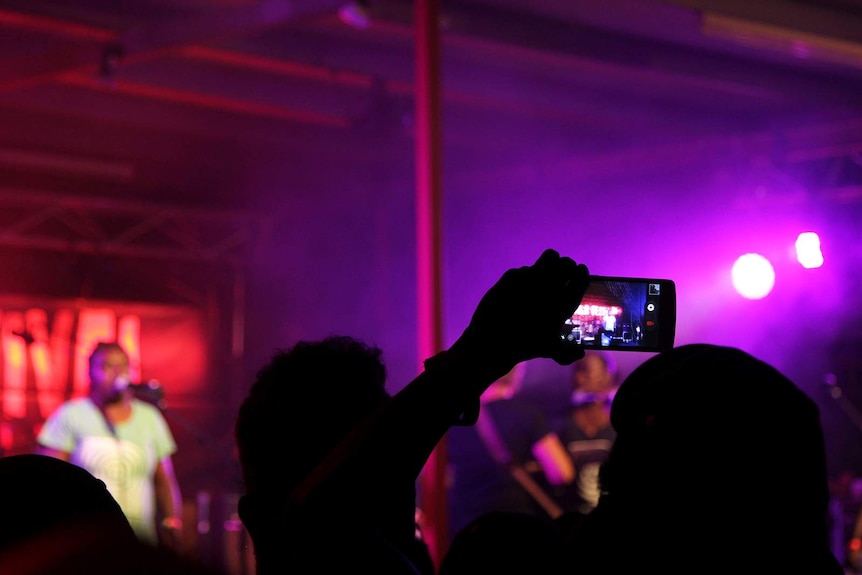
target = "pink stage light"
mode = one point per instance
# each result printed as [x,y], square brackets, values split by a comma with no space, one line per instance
[808,250]
[753,276]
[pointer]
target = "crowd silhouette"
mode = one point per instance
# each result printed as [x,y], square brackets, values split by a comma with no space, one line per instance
[58,519]
[698,479]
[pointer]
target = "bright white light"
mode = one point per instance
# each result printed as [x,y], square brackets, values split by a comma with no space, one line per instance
[808,250]
[753,276]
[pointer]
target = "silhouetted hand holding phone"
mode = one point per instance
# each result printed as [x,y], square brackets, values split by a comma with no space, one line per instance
[519,318]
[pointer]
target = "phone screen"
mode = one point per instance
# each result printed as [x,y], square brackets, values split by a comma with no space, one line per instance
[625,314]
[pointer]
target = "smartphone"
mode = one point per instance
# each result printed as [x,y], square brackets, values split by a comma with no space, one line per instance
[625,314]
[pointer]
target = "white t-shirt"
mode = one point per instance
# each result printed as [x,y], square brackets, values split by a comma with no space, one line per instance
[125,459]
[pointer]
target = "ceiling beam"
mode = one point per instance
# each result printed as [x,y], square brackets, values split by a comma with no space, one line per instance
[204,100]
[145,40]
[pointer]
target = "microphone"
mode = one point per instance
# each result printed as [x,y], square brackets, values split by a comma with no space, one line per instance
[121,383]
[150,391]
[580,398]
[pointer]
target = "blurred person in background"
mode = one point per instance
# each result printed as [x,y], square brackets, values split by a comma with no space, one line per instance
[479,482]
[123,441]
[586,429]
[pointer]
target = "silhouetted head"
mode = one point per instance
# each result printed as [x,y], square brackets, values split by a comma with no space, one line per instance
[715,448]
[303,402]
[39,494]
[57,519]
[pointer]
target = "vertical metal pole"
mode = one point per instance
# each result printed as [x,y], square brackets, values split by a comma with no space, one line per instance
[428,230]
[235,540]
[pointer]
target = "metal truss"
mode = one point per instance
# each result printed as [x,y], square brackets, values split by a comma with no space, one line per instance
[114,227]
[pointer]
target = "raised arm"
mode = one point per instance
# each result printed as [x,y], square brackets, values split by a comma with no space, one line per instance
[554,459]
[518,319]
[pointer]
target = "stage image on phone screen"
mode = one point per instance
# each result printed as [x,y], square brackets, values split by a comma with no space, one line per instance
[626,314]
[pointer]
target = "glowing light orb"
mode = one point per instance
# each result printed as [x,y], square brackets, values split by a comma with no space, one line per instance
[808,250]
[753,276]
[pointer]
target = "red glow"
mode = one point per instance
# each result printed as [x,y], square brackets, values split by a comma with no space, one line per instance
[37,324]
[176,353]
[61,346]
[129,337]
[14,369]
[6,437]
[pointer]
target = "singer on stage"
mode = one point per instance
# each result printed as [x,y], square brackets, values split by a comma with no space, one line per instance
[123,441]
